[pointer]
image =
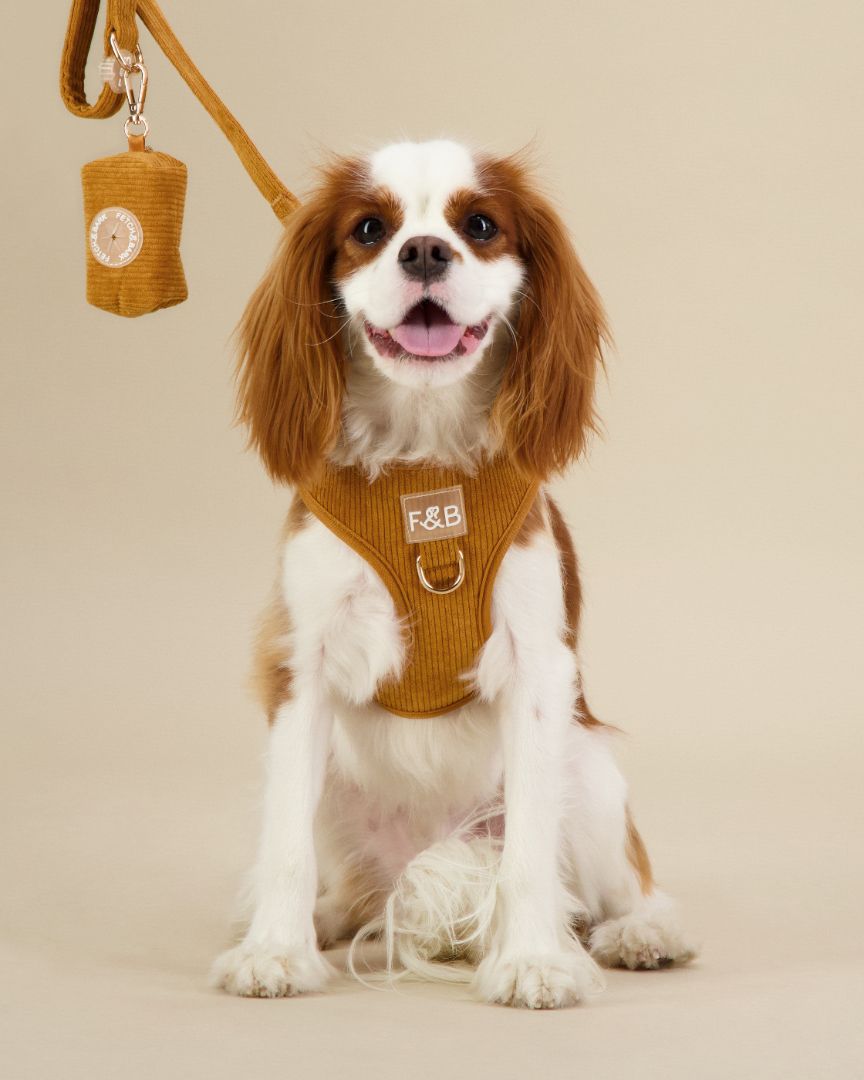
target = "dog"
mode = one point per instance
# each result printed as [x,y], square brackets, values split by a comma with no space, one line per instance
[426,310]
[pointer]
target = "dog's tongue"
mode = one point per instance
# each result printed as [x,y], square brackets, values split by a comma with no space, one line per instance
[428,331]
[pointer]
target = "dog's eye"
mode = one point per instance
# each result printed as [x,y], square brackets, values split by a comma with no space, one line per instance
[369,231]
[480,227]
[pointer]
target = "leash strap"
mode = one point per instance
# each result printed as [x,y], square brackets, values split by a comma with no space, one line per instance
[120,18]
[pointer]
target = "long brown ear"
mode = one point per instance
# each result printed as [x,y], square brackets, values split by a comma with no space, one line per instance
[545,407]
[290,372]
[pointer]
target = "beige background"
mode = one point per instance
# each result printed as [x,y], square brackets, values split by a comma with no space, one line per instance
[708,158]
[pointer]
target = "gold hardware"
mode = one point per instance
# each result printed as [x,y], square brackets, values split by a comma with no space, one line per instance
[429,587]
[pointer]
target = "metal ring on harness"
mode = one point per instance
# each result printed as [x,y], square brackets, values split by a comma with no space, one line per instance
[429,587]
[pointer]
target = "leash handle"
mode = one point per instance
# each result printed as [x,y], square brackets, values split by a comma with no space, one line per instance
[121,15]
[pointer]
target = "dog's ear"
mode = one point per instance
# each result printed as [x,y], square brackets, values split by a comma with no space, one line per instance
[290,377]
[545,407]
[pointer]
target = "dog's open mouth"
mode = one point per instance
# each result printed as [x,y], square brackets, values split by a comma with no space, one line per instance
[427,333]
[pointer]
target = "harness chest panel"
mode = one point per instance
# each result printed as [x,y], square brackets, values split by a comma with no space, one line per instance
[442,525]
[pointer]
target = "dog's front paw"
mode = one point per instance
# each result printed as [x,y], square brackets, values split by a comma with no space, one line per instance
[551,981]
[260,971]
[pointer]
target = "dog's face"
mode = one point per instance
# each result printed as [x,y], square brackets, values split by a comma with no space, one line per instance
[415,260]
[427,264]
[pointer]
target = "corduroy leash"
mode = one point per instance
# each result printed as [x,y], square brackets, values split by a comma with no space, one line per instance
[133,202]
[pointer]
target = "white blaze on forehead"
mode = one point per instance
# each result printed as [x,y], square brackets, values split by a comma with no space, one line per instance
[423,175]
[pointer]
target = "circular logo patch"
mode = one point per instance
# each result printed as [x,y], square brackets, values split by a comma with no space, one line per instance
[116,237]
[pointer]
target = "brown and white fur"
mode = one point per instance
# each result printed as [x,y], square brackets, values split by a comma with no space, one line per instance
[362,805]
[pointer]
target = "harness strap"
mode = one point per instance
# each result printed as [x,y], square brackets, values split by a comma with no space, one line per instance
[120,17]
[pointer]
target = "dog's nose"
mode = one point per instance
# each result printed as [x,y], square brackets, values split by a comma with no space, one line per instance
[425,258]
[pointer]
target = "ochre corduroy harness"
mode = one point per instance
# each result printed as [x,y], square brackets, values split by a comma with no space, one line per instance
[438,524]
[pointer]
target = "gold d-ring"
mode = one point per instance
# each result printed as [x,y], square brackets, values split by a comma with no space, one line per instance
[429,587]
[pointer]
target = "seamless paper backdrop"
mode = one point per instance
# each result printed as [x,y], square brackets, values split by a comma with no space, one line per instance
[708,160]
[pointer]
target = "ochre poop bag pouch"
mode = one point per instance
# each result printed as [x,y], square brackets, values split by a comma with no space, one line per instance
[133,216]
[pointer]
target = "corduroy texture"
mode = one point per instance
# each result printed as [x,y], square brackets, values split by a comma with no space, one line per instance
[153,186]
[121,17]
[446,632]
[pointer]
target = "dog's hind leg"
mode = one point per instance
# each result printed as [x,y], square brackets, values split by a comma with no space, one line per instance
[352,894]
[343,907]
[635,925]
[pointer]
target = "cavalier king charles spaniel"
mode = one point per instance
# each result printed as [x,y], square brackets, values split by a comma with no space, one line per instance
[425,305]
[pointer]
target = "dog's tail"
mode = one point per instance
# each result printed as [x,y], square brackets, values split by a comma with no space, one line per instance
[439,918]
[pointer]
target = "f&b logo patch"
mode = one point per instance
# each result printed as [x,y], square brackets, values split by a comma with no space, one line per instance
[434,515]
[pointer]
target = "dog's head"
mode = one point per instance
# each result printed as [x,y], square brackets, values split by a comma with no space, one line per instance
[419,260]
